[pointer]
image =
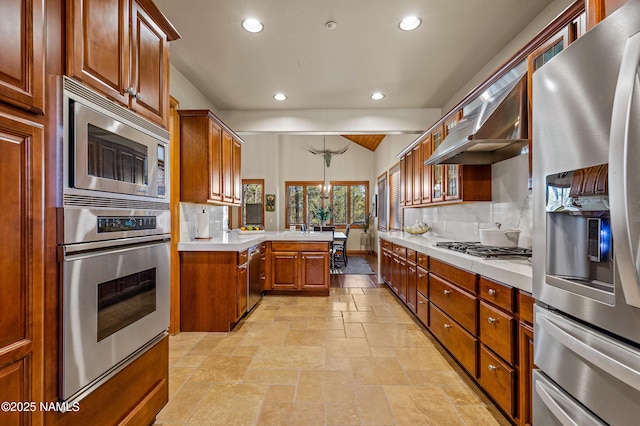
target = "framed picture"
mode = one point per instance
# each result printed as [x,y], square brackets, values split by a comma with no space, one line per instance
[271,203]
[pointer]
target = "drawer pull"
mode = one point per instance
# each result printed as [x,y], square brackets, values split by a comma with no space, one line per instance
[447,292]
[448,326]
[492,292]
[420,302]
[492,320]
[492,367]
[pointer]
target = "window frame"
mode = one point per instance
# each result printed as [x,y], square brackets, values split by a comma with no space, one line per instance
[383,201]
[242,203]
[327,202]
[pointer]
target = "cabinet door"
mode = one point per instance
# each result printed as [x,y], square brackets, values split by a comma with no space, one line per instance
[412,286]
[401,278]
[21,50]
[237,172]
[315,270]
[452,172]
[437,172]
[215,162]
[426,171]
[21,262]
[242,289]
[227,167]
[417,175]
[408,179]
[284,270]
[149,68]
[98,45]
[403,180]
[525,337]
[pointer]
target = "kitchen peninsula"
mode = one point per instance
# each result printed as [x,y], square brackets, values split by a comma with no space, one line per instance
[215,273]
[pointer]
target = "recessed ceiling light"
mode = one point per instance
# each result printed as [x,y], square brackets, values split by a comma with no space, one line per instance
[280,97]
[252,25]
[377,96]
[410,23]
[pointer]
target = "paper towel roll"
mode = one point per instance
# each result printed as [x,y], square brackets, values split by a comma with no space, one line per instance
[202,230]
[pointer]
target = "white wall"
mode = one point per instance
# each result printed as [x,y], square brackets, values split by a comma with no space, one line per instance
[186,93]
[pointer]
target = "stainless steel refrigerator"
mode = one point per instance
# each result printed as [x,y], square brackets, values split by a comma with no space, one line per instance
[586,245]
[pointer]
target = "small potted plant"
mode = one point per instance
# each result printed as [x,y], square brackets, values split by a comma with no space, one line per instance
[323,214]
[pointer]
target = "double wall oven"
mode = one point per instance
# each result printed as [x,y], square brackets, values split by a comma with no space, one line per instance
[114,239]
[586,248]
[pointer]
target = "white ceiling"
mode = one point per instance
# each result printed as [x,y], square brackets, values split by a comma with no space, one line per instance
[334,69]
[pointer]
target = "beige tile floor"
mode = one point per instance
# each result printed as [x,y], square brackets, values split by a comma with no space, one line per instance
[356,357]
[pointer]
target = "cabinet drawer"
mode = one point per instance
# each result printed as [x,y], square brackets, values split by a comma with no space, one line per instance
[461,277]
[411,255]
[458,304]
[423,260]
[243,256]
[525,307]
[423,282]
[422,309]
[498,379]
[400,251]
[498,331]
[461,344]
[386,245]
[498,294]
[296,246]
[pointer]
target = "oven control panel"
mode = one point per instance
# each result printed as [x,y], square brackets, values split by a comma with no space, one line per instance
[125,223]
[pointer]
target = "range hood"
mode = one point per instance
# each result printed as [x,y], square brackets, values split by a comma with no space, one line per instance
[494,130]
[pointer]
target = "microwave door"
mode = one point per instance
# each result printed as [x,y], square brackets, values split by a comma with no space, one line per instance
[624,178]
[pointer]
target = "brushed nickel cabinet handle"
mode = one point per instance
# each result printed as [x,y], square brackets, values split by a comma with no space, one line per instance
[492,367]
[447,292]
[492,292]
[448,326]
[137,95]
[420,302]
[492,320]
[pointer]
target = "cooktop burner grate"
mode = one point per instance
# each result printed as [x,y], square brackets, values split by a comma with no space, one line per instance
[477,249]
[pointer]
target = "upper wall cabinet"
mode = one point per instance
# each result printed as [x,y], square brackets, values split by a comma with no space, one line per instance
[121,48]
[21,50]
[210,160]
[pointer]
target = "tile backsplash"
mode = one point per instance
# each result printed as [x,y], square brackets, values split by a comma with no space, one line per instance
[511,207]
[218,219]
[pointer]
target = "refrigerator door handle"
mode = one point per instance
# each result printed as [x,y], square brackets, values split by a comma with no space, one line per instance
[605,354]
[624,193]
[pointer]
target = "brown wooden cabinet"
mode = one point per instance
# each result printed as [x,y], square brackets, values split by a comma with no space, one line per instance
[300,267]
[427,149]
[121,49]
[21,262]
[525,359]
[411,280]
[213,291]
[210,160]
[22,53]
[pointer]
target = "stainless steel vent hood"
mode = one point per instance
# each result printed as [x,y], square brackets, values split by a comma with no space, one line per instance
[494,129]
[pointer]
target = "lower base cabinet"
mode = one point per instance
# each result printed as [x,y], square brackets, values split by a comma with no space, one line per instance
[299,267]
[132,397]
[484,325]
[213,290]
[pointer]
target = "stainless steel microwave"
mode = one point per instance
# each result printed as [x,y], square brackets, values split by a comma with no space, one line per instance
[110,149]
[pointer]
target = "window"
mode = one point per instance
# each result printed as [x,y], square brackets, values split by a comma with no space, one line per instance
[303,201]
[395,208]
[382,202]
[252,202]
[348,203]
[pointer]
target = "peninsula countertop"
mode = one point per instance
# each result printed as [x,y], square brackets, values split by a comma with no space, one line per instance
[236,241]
[515,272]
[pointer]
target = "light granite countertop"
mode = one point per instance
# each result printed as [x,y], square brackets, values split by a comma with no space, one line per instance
[515,272]
[235,241]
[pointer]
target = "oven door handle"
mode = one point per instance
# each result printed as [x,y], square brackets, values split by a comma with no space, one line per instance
[88,248]
[624,180]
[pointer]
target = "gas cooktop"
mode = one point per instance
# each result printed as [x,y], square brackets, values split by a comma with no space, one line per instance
[477,249]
